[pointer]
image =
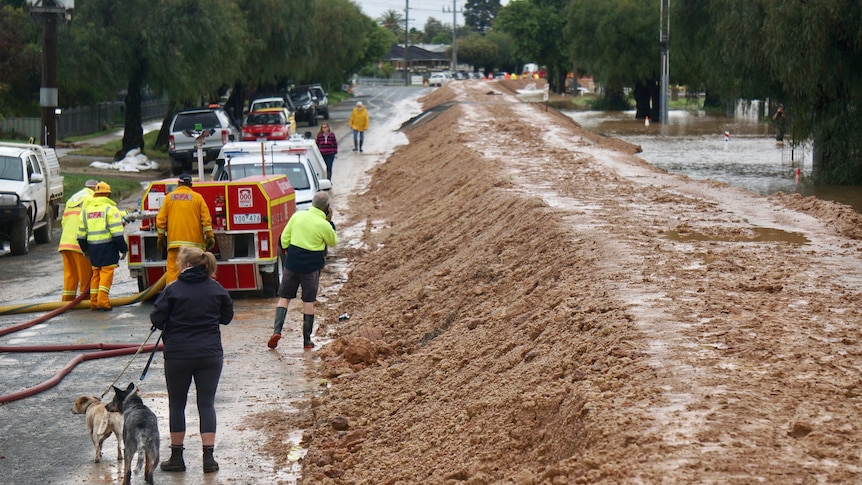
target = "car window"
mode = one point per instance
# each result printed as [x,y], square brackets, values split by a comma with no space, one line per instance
[188,121]
[295,173]
[265,119]
[11,168]
[267,104]
[299,97]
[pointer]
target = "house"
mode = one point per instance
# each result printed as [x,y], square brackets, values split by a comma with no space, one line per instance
[420,59]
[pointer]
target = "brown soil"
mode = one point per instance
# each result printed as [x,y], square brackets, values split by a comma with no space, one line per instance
[533,304]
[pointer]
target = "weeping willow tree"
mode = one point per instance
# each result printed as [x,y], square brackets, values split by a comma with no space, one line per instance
[805,54]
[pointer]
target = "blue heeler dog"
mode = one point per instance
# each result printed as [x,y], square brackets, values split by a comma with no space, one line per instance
[140,432]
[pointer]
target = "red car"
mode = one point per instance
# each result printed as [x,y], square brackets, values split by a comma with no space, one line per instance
[268,124]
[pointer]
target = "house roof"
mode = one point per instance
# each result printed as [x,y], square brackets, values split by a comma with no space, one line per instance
[396,53]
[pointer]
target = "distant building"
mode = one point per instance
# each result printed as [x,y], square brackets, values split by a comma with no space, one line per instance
[420,59]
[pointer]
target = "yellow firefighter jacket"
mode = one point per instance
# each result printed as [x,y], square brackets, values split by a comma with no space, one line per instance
[71,218]
[184,218]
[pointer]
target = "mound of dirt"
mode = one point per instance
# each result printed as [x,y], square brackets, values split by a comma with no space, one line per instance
[535,305]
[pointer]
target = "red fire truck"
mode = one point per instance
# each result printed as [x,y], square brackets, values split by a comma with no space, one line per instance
[248,216]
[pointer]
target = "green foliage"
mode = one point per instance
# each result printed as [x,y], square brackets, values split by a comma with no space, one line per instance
[20,63]
[479,15]
[537,29]
[436,33]
[345,48]
[393,21]
[478,51]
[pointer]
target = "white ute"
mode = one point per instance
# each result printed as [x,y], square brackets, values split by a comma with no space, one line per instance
[31,192]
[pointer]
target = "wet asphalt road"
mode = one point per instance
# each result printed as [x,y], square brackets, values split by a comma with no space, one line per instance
[42,441]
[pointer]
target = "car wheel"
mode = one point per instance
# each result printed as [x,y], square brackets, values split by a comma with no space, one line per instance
[270,281]
[45,233]
[20,236]
[326,115]
[176,167]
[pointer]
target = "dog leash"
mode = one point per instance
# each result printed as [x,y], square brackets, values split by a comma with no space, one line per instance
[143,344]
[152,354]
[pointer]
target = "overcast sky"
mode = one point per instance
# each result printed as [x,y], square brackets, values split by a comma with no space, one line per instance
[420,10]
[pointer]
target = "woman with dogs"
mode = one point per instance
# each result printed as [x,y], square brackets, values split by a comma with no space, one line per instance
[189,312]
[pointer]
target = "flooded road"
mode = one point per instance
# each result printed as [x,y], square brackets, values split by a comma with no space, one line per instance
[261,392]
[693,143]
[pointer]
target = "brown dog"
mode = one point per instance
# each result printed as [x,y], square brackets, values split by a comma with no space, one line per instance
[100,423]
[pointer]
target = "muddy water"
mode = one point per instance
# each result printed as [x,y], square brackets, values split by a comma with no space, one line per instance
[694,143]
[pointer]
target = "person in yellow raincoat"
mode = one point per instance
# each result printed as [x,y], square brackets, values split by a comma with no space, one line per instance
[183,220]
[100,235]
[77,270]
[358,123]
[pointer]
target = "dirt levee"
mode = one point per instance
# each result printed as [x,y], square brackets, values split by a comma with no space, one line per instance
[535,305]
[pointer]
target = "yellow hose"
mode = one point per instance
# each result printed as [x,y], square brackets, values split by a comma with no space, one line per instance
[120,301]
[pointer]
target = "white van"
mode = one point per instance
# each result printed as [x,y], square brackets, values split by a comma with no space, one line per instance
[296,158]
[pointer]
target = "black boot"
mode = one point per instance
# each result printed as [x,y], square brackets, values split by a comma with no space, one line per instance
[307,326]
[210,465]
[175,463]
[280,314]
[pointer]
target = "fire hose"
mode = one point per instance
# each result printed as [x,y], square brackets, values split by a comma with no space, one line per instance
[105,350]
[147,294]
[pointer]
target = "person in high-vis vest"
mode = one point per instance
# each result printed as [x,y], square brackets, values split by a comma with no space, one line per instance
[77,270]
[100,235]
[183,220]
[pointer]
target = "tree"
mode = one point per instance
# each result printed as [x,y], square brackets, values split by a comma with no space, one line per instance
[477,50]
[537,29]
[479,15]
[392,21]
[808,56]
[435,31]
[186,49]
[343,49]
[20,63]
[617,41]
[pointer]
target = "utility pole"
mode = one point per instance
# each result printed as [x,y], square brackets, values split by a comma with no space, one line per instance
[455,12]
[664,44]
[49,13]
[406,43]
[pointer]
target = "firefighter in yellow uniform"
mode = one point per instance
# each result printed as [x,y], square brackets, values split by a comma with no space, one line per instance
[76,267]
[100,235]
[183,220]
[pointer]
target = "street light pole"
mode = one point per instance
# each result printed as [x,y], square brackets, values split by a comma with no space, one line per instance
[664,44]
[406,43]
[49,13]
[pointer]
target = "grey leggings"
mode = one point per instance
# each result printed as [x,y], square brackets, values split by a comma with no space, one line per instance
[178,377]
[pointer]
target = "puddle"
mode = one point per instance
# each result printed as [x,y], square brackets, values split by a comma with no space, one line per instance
[754,234]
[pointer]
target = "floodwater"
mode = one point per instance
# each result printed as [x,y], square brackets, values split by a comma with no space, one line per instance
[737,150]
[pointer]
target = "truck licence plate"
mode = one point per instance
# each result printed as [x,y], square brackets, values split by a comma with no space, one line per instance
[246,218]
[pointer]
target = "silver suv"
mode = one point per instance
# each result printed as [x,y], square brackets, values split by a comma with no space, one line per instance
[213,123]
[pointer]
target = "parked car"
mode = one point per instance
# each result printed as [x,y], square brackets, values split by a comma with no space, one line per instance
[437,79]
[213,123]
[306,110]
[284,103]
[31,193]
[266,124]
[321,99]
[243,159]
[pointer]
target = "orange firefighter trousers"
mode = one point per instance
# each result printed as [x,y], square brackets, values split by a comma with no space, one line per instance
[100,286]
[77,273]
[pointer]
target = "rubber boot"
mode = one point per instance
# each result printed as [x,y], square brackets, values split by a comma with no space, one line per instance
[175,463]
[354,145]
[210,465]
[280,315]
[361,142]
[307,326]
